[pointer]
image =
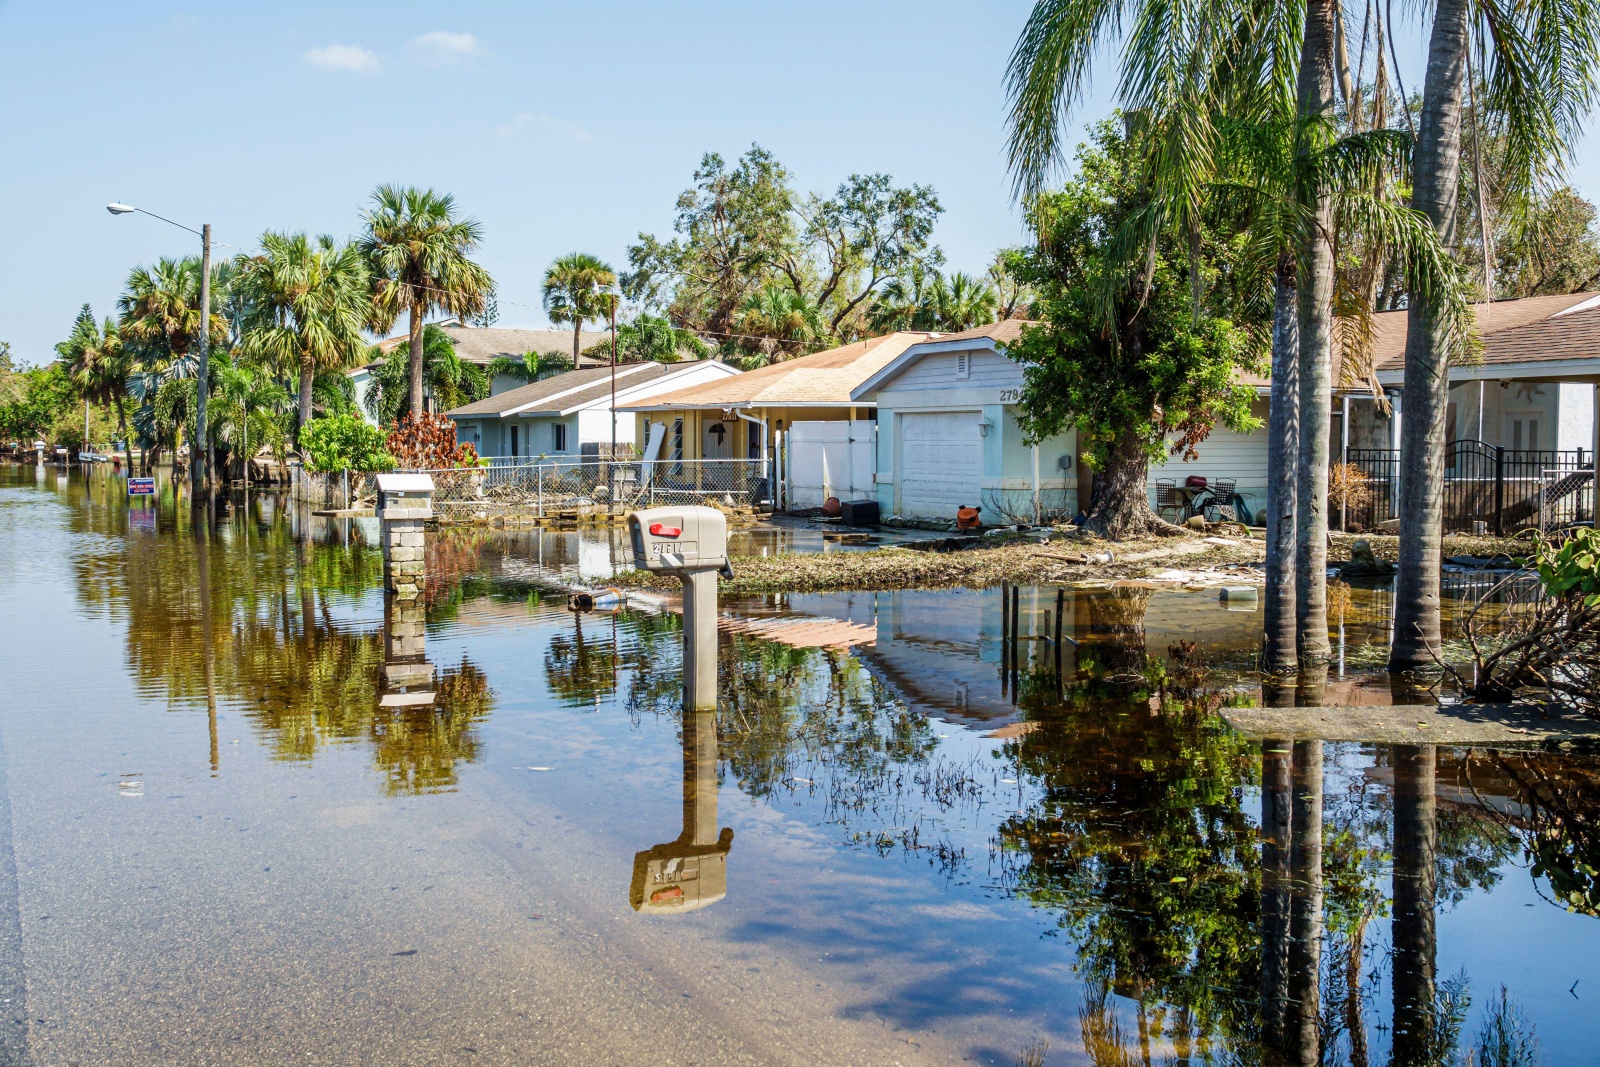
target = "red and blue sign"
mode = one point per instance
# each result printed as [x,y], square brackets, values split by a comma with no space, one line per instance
[141,487]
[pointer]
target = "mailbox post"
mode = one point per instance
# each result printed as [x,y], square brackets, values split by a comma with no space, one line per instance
[405,502]
[692,543]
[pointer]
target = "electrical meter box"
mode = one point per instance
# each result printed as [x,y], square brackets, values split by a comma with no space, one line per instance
[679,540]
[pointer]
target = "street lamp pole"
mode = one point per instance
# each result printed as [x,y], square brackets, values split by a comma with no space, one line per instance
[201,444]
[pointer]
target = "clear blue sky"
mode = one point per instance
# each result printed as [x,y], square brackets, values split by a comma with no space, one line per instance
[560,126]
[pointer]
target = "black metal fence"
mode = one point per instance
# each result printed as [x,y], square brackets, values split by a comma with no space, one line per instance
[1487,488]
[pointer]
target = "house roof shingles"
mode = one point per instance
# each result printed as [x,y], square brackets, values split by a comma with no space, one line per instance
[484,344]
[817,380]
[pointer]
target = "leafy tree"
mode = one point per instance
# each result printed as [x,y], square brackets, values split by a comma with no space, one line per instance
[576,288]
[45,403]
[10,381]
[308,303]
[491,309]
[449,379]
[99,367]
[1013,298]
[744,229]
[653,338]
[417,250]
[1169,368]
[344,443]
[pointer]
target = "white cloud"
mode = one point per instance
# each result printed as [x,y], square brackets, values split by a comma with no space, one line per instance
[445,46]
[528,120]
[342,57]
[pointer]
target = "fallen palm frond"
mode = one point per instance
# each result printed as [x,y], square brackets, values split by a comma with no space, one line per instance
[1550,651]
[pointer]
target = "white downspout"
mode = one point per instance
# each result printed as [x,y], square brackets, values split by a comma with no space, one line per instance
[1036,485]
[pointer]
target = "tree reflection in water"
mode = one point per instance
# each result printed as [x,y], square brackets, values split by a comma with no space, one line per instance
[231,610]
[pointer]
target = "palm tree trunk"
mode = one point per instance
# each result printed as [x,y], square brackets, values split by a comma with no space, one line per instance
[1283,450]
[416,362]
[1276,806]
[1315,98]
[577,330]
[1436,175]
[307,377]
[1414,935]
[122,428]
[1302,1032]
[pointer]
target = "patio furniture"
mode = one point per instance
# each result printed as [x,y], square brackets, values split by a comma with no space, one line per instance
[1169,498]
[1219,508]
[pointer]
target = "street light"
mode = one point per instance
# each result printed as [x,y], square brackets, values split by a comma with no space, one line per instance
[203,379]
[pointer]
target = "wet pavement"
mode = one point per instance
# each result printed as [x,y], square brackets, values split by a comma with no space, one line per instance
[235,833]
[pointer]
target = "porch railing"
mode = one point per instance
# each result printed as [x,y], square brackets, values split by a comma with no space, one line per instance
[1486,488]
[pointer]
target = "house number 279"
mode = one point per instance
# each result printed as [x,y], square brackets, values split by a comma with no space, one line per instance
[1010,396]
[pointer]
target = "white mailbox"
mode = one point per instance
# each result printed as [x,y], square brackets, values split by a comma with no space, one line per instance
[692,543]
[679,540]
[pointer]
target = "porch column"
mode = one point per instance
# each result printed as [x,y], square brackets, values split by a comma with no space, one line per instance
[1594,489]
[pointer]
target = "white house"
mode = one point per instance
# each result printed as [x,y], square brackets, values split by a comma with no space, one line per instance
[948,433]
[566,413]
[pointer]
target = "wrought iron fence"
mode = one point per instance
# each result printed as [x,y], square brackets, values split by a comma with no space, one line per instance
[1487,488]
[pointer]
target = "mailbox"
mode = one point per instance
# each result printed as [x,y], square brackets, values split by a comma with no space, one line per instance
[679,540]
[405,496]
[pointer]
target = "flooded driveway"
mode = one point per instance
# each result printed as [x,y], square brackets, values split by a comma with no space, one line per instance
[240,825]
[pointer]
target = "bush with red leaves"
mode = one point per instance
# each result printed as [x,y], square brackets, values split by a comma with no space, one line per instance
[429,443]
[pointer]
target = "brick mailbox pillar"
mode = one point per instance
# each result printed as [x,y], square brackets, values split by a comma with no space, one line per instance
[405,502]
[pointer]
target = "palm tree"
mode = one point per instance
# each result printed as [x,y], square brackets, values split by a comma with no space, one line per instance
[308,303]
[1538,61]
[961,302]
[776,322]
[573,290]
[248,407]
[654,339]
[99,366]
[532,367]
[159,313]
[417,250]
[905,303]
[451,380]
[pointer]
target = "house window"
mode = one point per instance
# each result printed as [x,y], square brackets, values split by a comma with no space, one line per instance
[1524,434]
[559,432]
[963,364]
[755,440]
[514,440]
[677,439]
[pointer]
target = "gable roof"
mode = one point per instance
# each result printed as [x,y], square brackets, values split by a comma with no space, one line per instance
[995,335]
[484,344]
[556,388]
[822,379]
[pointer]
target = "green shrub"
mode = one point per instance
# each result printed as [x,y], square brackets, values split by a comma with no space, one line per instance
[344,443]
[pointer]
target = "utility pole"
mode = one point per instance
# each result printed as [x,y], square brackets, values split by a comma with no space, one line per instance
[202,442]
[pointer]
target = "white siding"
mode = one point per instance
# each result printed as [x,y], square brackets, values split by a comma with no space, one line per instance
[988,369]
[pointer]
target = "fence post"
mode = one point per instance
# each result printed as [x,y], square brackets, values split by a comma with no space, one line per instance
[1500,491]
[540,469]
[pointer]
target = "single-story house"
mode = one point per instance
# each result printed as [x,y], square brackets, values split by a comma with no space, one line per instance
[570,413]
[948,435]
[1531,392]
[482,345]
[803,409]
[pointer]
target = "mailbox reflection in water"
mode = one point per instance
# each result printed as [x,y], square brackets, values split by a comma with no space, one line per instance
[691,871]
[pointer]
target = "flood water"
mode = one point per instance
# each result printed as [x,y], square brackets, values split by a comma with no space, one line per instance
[240,823]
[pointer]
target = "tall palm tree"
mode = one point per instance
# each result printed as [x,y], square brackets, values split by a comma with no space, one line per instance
[574,288]
[417,249]
[1539,61]
[907,302]
[450,379]
[98,365]
[159,322]
[532,367]
[308,303]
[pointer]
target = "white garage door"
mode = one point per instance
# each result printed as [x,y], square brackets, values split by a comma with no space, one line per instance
[941,463]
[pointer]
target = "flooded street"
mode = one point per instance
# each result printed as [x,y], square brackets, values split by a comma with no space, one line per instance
[235,827]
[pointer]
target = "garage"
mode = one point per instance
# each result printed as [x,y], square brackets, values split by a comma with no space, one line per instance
[940,463]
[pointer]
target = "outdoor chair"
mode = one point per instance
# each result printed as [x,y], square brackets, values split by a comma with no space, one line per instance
[1169,499]
[1220,507]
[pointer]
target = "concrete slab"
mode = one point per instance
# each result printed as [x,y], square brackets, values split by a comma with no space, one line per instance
[1412,724]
